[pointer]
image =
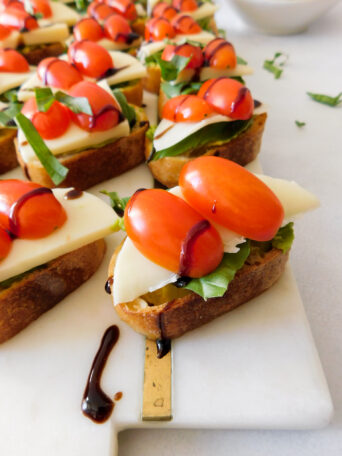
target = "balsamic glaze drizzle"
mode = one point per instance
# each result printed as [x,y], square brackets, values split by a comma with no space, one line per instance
[73,194]
[109,284]
[187,246]
[163,347]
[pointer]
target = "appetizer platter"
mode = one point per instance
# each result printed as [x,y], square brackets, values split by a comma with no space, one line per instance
[131,169]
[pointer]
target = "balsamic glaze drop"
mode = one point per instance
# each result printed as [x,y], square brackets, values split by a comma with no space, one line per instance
[109,284]
[73,194]
[163,347]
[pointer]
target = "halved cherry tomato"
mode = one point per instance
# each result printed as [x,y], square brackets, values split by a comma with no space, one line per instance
[186,108]
[12,62]
[220,54]
[117,28]
[185,5]
[185,50]
[4,32]
[242,202]
[158,28]
[163,9]
[100,11]
[58,73]
[125,8]
[106,112]
[50,124]
[185,25]
[88,29]
[16,4]
[5,244]
[172,234]
[17,19]
[90,58]
[228,97]
[42,6]
[25,216]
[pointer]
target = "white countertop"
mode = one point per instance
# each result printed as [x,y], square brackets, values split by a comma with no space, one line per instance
[311,156]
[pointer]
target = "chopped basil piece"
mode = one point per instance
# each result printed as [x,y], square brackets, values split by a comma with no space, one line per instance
[171,69]
[117,203]
[44,98]
[241,61]
[326,99]
[300,124]
[181,88]
[222,33]
[8,114]
[118,225]
[273,66]
[81,5]
[205,23]
[53,167]
[127,110]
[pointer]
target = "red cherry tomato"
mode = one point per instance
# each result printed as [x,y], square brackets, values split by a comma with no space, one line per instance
[50,124]
[243,203]
[5,244]
[117,28]
[16,4]
[163,9]
[88,29]
[100,11]
[186,108]
[172,234]
[220,54]
[17,19]
[32,217]
[58,73]
[90,58]
[4,32]
[125,8]
[185,50]
[42,6]
[185,5]
[158,28]
[12,62]
[185,25]
[106,112]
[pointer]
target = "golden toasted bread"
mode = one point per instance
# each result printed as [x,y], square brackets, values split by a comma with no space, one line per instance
[8,156]
[34,54]
[242,150]
[40,290]
[134,93]
[151,82]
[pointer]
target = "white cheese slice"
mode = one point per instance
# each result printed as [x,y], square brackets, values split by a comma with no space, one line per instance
[239,70]
[44,35]
[205,10]
[11,41]
[141,12]
[60,14]
[111,45]
[89,219]
[11,80]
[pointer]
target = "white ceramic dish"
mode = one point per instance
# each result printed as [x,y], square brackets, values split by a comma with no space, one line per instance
[281,17]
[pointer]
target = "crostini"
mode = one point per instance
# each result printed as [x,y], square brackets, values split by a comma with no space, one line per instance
[201,249]
[51,241]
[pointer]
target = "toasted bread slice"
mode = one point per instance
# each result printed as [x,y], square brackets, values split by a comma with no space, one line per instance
[242,150]
[92,166]
[169,320]
[38,291]
[34,54]
[134,93]
[8,156]
[138,26]
[152,81]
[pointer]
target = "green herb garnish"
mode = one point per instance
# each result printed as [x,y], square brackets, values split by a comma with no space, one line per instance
[241,61]
[222,33]
[150,132]
[117,203]
[284,238]
[274,65]
[300,124]
[45,98]
[171,69]
[127,110]
[326,99]
[181,88]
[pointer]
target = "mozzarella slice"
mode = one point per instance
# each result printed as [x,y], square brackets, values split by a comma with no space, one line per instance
[44,35]
[205,10]
[239,70]
[60,14]
[11,41]
[11,80]
[111,45]
[89,219]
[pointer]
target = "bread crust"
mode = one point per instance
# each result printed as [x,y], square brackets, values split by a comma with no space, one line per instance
[35,55]
[241,150]
[152,81]
[8,156]
[92,166]
[42,289]
[173,319]
[134,93]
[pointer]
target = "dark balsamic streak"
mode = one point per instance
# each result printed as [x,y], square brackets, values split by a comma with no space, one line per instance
[96,405]
[182,281]
[185,261]
[73,194]
[111,72]
[257,104]
[239,99]
[163,347]
[109,284]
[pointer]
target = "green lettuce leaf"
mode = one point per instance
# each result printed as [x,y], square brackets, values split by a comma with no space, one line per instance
[284,238]
[215,284]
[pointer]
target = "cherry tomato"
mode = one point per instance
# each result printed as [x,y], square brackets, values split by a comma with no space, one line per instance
[158,28]
[185,5]
[163,9]
[16,4]
[100,11]
[186,108]
[33,217]
[5,244]
[42,6]
[17,19]
[90,58]
[58,73]
[228,97]
[117,28]
[185,50]
[12,62]
[125,8]
[185,25]
[4,32]
[220,54]
[50,124]
[88,29]
[172,234]
[106,112]
[242,202]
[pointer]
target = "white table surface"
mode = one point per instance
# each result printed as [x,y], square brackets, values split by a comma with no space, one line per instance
[313,157]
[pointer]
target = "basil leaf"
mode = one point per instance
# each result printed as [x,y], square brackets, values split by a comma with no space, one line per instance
[150,132]
[81,5]
[300,124]
[8,114]
[44,98]
[10,95]
[239,79]
[241,61]
[118,225]
[222,33]
[170,70]
[117,203]
[205,23]
[53,167]
[284,238]
[273,66]
[181,88]
[326,99]
[75,104]
[215,284]
[222,131]
[4,118]
[153,58]
[127,110]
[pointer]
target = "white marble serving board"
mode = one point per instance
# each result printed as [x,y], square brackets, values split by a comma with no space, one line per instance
[254,368]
